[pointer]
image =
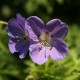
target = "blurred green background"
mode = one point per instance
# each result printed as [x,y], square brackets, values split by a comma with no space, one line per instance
[12,68]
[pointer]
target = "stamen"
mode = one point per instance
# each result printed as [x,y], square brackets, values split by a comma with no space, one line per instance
[16,36]
[45,40]
[18,40]
[50,48]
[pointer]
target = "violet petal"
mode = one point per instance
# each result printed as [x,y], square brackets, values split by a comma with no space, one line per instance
[12,47]
[59,49]
[23,53]
[36,24]
[20,20]
[37,54]
[19,46]
[14,29]
[30,32]
[57,28]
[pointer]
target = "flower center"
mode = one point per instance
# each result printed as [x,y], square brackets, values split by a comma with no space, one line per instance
[25,37]
[45,39]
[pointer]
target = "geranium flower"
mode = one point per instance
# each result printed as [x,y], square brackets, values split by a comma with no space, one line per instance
[19,40]
[47,39]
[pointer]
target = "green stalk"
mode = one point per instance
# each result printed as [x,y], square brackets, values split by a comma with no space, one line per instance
[3,22]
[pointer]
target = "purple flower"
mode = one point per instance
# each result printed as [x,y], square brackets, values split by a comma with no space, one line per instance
[18,33]
[47,39]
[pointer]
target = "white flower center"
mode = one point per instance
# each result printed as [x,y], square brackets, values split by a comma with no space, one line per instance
[45,39]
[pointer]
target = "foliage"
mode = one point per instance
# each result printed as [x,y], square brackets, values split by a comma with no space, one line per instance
[12,68]
[67,69]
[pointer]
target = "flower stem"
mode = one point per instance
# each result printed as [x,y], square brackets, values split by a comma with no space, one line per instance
[3,22]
